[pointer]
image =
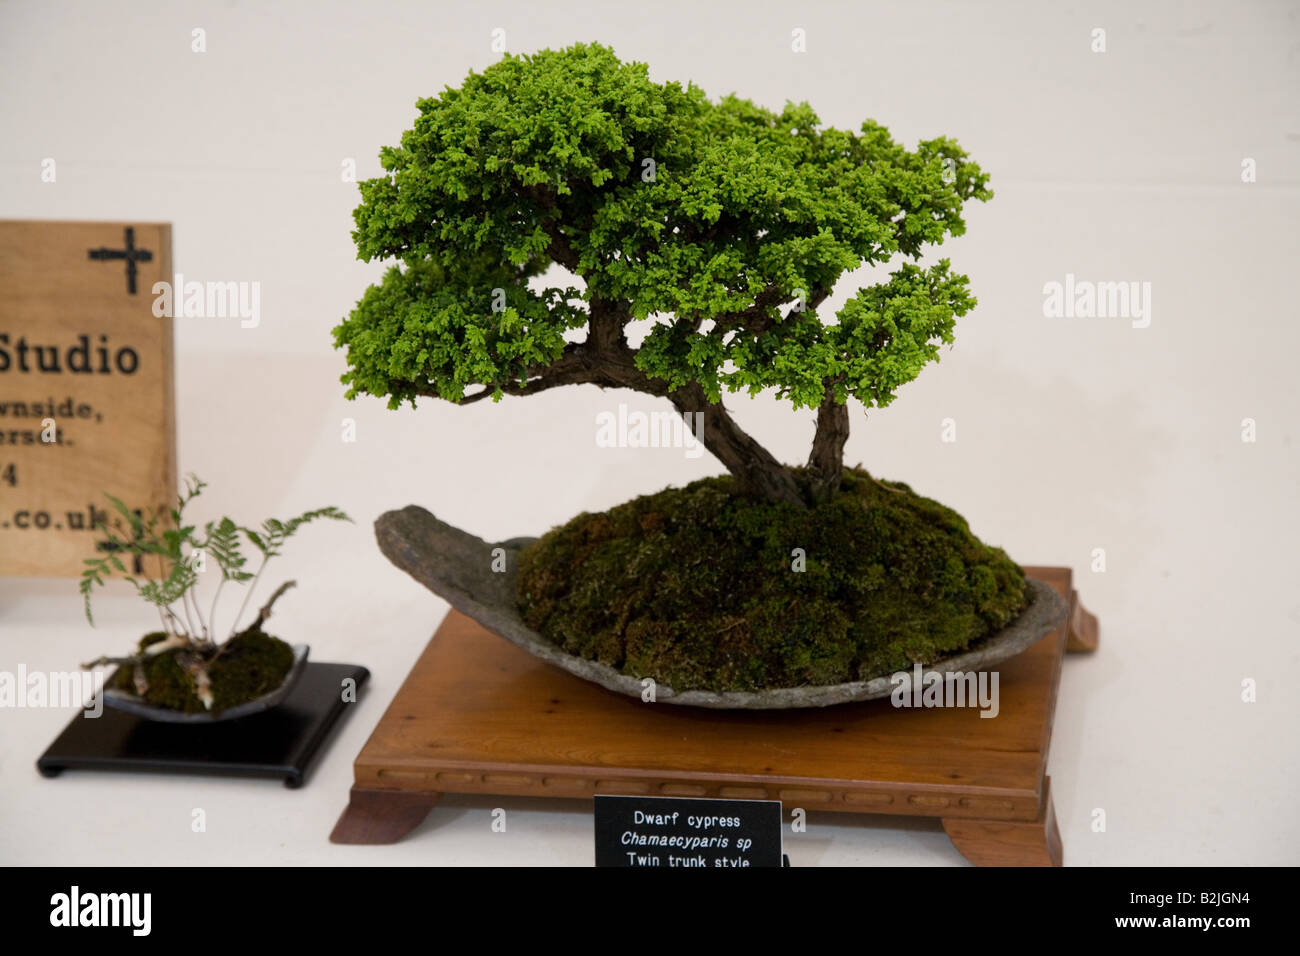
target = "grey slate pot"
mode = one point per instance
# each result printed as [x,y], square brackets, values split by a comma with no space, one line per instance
[131,704]
[457,566]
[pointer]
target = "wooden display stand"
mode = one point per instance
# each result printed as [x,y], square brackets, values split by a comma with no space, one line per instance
[479,715]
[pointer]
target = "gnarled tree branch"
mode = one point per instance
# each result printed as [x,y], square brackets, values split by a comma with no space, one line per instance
[607,362]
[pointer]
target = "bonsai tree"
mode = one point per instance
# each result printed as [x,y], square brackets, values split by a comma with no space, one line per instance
[560,219]
[187,665]
[720,227]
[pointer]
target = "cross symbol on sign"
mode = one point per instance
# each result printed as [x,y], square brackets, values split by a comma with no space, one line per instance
[131,254]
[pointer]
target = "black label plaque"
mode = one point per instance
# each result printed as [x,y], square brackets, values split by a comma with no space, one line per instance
[669,832]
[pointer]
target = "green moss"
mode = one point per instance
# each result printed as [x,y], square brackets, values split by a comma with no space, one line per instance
[169,685]
[252,664]
[695,586]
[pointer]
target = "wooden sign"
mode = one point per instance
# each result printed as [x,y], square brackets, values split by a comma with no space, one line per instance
[687,833]
[86,401]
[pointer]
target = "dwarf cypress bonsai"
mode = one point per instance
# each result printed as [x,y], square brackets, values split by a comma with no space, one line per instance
[719,230]
[721,226]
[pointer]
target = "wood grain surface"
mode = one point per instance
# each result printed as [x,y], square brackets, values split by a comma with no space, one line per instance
[479,715]
[115,428]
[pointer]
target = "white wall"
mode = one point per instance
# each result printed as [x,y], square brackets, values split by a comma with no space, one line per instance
[1073,434]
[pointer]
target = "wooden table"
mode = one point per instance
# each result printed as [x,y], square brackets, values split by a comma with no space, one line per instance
[479,715]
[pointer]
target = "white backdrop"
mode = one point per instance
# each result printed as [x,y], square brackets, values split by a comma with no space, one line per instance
[1073,434]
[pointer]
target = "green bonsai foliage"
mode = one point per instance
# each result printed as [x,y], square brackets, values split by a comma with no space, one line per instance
[184,666]
[720,227]
[699,587]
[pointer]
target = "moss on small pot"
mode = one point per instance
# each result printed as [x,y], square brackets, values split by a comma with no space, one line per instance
[697,587]
[250,665]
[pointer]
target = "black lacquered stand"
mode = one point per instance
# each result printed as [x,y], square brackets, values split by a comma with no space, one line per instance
[278,743]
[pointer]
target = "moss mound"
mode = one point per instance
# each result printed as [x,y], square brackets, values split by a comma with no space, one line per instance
[252,664]
[697,588]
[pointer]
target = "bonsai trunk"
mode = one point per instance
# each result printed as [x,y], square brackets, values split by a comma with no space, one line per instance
[606,360]
[753,466]
[826,463]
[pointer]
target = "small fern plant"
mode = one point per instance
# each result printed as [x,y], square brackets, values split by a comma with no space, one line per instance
[135,545]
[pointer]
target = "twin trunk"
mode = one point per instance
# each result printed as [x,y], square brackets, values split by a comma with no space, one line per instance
[755,468]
